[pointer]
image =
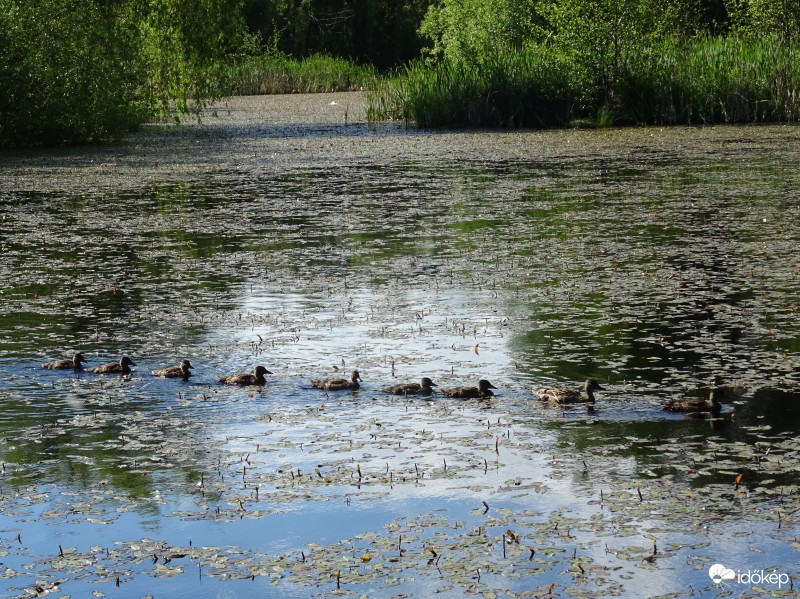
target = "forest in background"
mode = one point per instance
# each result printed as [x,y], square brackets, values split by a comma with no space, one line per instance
[92,70]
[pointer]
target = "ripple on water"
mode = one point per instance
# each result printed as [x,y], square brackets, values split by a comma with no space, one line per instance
[657,265]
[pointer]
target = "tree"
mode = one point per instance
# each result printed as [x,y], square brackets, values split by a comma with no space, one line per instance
[766,17]
[82,70]
[474,31]
[603,37]
[379,32]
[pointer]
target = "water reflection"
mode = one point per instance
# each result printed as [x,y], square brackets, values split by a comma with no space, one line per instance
[659,278]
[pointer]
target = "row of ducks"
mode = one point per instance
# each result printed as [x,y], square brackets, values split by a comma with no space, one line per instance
[258,377]
[556,395]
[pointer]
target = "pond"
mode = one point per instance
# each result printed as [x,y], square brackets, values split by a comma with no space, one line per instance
[286,232]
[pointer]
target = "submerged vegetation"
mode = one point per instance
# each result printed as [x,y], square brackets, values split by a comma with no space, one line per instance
[92,71]
[651,260]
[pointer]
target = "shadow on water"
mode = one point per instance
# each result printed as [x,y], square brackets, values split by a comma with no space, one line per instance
[661,275]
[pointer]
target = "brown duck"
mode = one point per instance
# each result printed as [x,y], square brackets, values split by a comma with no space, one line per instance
[482,391]
[339,384]
[73,364]
[121,367]
[696,405]
[564,395]
[425,387]
[175,372]
[257,378]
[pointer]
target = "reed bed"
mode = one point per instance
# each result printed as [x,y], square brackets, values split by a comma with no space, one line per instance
[715,80]
[527,89]
[278,74]
[707,80]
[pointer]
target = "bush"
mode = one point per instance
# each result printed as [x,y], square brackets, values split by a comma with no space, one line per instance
[64,74]
[91,70]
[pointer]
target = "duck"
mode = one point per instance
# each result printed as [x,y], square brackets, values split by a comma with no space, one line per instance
[482,391]
[565,395]
[695,405]
[175,372]
[257,378]
[424,387]
[74,364]
[339,384]
[121,367]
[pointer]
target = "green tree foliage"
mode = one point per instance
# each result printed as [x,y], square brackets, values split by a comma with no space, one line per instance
[551,62]
[600,38]
[766,17]
[603,38]
[477,31]
[55,82]
[79,70]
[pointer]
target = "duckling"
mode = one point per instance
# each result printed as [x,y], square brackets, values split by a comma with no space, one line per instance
[695,405]
[73,364]
[339,384]
[257,378]
[425,387]
[482,391]
[175,372]
[121,367]
[564,395]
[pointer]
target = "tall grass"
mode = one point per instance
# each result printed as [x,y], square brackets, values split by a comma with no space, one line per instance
[526,89]
[278,74]
[714,80]
[708,80]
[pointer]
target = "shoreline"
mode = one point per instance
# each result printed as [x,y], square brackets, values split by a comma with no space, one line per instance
[238,136]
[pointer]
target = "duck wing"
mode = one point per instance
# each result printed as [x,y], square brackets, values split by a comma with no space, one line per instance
[403,389]
[463,392]
[687,405]
[560,395]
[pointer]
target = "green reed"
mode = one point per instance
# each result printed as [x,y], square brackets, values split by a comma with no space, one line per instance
[526,89]
[714,80]
[707,80]
[278,74]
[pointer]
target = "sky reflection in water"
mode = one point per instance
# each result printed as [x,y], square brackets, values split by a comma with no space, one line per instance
[658,279]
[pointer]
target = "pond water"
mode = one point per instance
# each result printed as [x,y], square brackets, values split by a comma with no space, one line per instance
[286,232]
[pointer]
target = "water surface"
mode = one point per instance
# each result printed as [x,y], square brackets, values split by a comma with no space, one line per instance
[661,262]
